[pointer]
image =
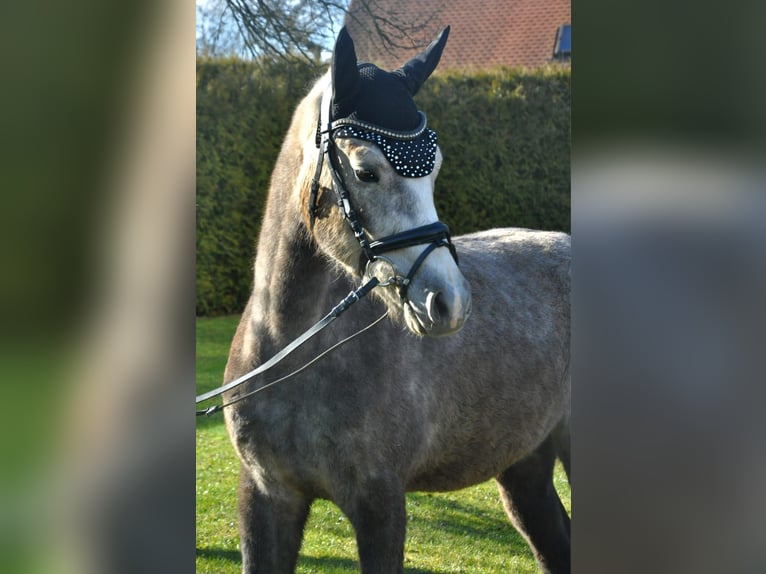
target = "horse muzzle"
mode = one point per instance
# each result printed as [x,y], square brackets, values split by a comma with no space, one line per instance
[435,297]
[436,308]
[435,300]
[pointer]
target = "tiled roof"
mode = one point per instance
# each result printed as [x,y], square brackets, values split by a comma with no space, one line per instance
[484,33]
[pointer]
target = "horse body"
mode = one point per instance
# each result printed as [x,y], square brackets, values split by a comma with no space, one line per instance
[390,411]
[452,411]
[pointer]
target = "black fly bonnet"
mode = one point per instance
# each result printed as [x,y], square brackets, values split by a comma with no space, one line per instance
[367,103]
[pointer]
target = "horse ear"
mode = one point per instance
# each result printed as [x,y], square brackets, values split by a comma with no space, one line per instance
[417,70]
[345,75]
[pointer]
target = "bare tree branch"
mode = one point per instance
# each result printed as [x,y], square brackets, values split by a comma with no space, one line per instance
[304,28]
[393,30]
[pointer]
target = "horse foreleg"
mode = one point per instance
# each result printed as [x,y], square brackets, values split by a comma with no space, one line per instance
[534,508]
[270,527]
[377,511]
[562,443]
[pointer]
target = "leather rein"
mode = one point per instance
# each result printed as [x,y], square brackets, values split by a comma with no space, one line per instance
[433,235]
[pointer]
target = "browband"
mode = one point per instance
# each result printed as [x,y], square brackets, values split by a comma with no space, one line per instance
[409,135]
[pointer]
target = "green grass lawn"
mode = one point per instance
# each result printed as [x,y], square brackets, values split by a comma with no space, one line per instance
[458,532]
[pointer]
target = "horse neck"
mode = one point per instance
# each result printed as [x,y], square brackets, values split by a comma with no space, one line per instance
[290,276]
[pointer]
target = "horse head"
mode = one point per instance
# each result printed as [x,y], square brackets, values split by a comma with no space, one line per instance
[371,209]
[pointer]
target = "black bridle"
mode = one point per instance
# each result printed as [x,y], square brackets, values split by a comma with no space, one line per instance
[433,235]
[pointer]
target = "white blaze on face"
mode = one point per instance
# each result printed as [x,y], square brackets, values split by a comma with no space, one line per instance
[438,296]
[421,198]
[391,203]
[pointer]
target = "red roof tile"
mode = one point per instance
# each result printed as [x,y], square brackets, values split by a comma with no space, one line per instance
[484,33]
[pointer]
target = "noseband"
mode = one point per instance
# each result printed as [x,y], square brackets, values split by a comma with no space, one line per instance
[433,234]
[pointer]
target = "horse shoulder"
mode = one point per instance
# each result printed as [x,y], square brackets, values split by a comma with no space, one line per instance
[243,351]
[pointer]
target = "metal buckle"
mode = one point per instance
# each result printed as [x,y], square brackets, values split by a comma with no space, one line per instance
[393,279]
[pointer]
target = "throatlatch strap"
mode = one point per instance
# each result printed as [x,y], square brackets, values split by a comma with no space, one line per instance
[323,143]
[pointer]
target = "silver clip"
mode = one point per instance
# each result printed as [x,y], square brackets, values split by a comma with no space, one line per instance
[393,279]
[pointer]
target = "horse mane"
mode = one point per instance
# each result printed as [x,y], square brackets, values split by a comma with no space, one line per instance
[302,136]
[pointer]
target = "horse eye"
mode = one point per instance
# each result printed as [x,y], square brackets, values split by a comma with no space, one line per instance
[366,175]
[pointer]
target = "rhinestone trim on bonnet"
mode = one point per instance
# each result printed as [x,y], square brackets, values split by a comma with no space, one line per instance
[411,154]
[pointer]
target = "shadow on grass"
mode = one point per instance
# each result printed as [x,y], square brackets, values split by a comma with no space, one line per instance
[465,520]
[318,563]
[220,553]
[326,563]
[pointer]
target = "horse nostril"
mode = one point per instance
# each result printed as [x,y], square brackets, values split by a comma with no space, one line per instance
[436,306]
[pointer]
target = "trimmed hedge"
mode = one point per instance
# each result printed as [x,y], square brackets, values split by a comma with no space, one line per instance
[243,112]
[504,134]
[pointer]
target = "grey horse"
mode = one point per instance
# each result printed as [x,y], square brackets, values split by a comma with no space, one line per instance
[467,379]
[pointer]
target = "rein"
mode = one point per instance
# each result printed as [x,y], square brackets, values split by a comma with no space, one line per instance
[336,311]
[433,235]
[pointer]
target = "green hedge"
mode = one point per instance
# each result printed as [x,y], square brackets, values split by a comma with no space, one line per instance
[243,113]
[504,135]
[506,143]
